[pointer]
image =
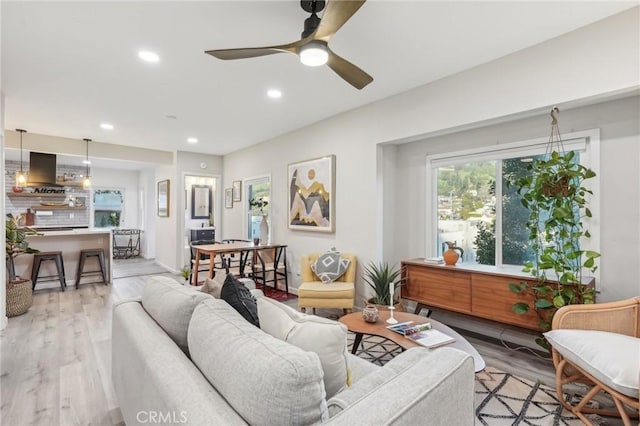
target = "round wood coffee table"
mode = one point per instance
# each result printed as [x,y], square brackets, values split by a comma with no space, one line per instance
[359,327]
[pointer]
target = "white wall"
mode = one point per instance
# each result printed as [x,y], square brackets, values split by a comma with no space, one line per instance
[146,201]
[593,62]
[619,189]
[165,230]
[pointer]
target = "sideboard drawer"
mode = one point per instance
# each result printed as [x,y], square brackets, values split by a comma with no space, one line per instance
[438,287]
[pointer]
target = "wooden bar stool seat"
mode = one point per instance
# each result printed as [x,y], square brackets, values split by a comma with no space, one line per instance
[84,255]
[43,256]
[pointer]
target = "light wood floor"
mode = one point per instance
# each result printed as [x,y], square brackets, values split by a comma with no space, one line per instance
[56,359]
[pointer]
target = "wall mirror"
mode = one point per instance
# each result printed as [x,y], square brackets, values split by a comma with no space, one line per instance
[163,198]
[201,201]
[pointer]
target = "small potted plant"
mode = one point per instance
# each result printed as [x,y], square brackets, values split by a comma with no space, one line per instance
[380,278]
[185,272]
[19,293]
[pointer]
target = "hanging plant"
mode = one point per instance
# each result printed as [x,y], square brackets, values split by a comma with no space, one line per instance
[554,193]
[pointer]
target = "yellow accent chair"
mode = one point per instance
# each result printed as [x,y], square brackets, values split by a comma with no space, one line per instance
[599,345]
[339,294]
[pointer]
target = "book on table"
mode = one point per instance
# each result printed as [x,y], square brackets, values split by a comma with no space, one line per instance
[431,338]
[408,327]
[422,334]
[434,260]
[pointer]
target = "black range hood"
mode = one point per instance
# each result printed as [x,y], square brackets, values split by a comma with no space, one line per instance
[42,169]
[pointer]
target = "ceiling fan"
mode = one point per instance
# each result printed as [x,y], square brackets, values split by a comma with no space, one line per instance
[313,49]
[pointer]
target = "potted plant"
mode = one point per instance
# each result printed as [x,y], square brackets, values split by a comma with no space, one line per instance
[380,278]
[19,292]
[185,272]
[554,193]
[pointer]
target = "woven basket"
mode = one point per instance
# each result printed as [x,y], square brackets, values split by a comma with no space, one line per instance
[19,297]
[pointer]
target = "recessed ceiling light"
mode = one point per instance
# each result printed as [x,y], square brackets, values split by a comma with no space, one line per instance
[274,93]
[192,140]
[107,126]
[147,56]
[86,161]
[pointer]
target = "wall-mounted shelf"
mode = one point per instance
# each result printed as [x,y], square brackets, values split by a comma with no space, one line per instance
[33,195]
[71,184]
[57,208]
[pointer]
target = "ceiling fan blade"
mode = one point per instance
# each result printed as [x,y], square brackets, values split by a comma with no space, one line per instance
[349,72]
[254,52]
[336,13]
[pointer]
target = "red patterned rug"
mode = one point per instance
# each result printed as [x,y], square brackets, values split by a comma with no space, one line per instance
[277,294]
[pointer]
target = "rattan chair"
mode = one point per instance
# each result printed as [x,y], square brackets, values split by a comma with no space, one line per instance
[581,355]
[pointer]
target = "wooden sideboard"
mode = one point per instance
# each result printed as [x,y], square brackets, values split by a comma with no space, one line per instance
[477,290]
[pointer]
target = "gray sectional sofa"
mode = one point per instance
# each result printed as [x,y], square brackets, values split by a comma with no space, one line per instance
[181,357]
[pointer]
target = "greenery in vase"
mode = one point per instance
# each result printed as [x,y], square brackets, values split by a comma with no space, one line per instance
[258,204]
[16,244]
[380,277]
[554,193]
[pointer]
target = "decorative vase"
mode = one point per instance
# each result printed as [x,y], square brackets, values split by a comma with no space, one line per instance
[370,313]
[264,230]
[451,256]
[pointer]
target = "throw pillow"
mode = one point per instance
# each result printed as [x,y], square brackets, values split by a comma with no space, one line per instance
[171,304]
[213,287]
[265,380]
[239,297]
[327,338]
[330,266]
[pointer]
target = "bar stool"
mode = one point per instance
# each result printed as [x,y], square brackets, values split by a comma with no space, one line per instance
[84,255]
[44,256]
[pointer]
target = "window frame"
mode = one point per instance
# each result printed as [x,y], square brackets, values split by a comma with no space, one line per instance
[587,142]
[247,209]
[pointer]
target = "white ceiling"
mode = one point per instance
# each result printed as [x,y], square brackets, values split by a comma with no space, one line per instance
[68,66]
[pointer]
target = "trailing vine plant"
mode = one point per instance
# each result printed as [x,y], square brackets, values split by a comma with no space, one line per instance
[554,193]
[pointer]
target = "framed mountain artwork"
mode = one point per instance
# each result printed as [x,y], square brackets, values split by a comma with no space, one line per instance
[312,194]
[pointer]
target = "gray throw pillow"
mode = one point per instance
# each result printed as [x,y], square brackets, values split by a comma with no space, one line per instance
[330,266]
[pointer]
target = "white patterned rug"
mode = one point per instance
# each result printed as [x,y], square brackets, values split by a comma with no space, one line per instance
[500,398]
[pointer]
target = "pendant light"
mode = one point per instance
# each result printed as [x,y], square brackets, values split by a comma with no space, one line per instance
[86,183]
[21,176]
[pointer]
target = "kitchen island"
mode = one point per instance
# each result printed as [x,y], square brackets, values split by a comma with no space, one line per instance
[69,242]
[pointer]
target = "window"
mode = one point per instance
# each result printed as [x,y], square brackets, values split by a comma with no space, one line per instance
[473,207]
[258,196]
[108,207]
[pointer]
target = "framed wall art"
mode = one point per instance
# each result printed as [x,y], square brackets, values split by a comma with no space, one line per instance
[163,198]
[228,198]
[312,194]
[237,190]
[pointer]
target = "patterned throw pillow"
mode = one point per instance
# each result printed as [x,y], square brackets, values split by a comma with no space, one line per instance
[240,298]
[330,266]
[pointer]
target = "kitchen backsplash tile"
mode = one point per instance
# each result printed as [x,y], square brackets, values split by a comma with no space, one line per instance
[59,217]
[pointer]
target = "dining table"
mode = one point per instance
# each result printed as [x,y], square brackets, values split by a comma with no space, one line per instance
[244,248]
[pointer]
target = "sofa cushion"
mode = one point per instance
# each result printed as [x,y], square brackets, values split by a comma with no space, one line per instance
[322,336]
[213,287]
[239,297]
[611,358]
[171,305]
[261,377]
[330,266]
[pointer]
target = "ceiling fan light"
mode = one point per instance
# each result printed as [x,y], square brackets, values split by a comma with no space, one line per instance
[314,54]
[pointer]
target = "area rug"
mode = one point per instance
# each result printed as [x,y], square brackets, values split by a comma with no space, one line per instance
[277,294]
[500,398]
